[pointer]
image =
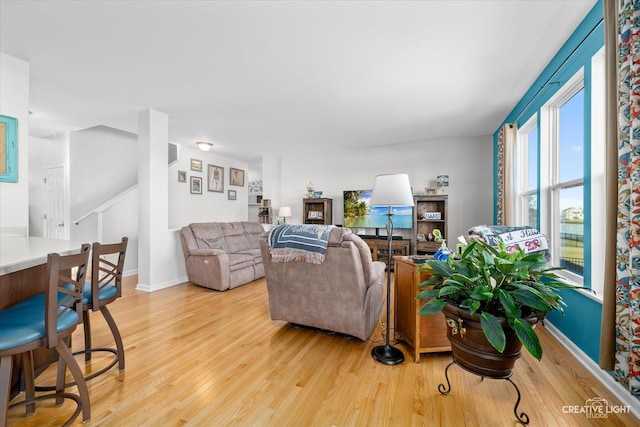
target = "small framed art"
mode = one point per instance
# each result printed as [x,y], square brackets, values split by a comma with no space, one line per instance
[196,185]
[316,215]
[236,177]
[215,178]
[182,176]
[430,191]
[196,165]
[231,195]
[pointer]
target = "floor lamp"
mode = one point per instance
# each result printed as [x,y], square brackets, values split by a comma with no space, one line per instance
[390,190]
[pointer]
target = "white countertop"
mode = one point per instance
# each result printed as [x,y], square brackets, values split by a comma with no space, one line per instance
[18,253]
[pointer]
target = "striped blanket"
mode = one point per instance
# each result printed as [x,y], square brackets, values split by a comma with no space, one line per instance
[299,243]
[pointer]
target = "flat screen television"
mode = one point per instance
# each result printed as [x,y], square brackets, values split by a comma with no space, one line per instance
[358,212]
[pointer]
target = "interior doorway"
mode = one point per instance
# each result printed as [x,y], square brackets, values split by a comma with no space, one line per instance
[55,216]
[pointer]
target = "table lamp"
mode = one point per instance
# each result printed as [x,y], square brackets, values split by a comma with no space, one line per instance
[284,212]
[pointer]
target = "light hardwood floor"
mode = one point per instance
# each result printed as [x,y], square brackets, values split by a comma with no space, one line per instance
[197,357]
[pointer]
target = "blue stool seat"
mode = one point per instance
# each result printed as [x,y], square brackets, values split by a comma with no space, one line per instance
[24,322]
[107,292]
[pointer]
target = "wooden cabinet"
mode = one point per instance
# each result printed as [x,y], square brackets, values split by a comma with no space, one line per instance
[265,215]
[317,211]
[380,248]
[424,334]
[429,213]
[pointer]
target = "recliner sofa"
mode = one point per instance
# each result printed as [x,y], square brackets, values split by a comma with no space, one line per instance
[222,255]
[343,294]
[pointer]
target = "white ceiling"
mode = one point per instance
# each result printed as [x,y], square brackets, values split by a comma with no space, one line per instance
[265,77]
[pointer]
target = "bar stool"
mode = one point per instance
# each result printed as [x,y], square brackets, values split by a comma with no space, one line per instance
[46,320]
[105,287]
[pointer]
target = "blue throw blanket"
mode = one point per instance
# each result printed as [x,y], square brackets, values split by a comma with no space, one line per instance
[299,243]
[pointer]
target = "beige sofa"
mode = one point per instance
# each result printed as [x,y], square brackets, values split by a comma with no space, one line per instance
[343,294]
[222,255]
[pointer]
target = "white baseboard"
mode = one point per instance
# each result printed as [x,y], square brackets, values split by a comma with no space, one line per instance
[601,375]
[146,288]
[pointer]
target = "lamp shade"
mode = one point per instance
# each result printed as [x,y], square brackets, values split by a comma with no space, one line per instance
[284,211]
[392,190]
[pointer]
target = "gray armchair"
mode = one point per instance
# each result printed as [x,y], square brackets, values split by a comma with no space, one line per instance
[343,294]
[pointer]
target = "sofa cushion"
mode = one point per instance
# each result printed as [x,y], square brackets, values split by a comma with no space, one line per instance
[253,231]
[237,261]
[236,244]
[234,237]
[255,253]
[209,235]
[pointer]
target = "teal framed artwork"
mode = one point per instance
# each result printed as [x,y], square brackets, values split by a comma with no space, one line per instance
[8,149]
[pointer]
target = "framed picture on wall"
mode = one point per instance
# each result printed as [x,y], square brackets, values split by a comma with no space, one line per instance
[182,176]
[236,177]
[196,165]
[196,185]
[215,178]
[8,149]
[231,195]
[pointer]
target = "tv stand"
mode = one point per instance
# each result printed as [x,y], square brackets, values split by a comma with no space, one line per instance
[380,245]
[378,237]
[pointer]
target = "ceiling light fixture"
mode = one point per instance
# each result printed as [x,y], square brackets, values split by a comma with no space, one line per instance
[204,146]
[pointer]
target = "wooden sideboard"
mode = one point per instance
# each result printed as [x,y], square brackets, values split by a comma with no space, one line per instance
[424,334]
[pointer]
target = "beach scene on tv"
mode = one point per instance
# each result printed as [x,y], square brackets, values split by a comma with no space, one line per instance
[358,212]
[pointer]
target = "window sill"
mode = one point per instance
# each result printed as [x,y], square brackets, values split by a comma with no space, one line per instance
[586,292]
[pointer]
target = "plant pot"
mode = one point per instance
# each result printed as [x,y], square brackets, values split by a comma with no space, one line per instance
[470,347]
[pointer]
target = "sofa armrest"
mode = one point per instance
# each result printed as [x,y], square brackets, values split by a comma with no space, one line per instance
[209,268]
[206,252]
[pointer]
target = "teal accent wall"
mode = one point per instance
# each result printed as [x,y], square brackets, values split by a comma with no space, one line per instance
[582,319]
[581,322]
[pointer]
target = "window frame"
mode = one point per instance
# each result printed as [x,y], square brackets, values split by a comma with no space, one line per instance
[522,177]
[550,184]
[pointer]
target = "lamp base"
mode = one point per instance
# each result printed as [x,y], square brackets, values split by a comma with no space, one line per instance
[387,355]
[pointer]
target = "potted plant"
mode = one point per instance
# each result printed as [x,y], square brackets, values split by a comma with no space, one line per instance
[492,300]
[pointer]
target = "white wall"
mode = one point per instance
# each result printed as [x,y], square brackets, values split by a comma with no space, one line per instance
[467,161]
[185,208]
[103,162]
[14,102]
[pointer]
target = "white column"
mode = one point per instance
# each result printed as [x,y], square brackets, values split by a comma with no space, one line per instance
[14,102]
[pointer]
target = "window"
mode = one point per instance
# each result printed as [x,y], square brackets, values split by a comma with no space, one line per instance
[560,172]
[562,176]
[527,178]
[567,179]
[551,175]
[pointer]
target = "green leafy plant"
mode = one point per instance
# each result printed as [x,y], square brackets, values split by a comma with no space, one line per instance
[496,284]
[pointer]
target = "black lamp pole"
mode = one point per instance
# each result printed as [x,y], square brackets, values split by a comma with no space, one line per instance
[386,353]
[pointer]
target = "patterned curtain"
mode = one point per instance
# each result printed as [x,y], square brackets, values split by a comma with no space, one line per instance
[627,295]
[500,179]
[505,174]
